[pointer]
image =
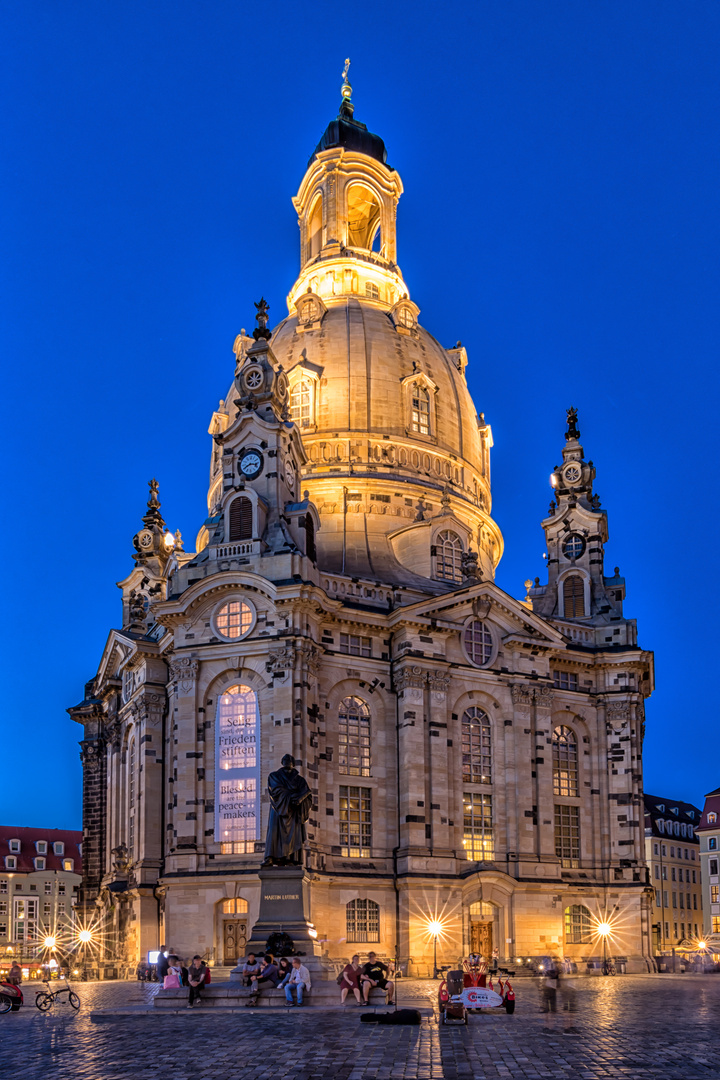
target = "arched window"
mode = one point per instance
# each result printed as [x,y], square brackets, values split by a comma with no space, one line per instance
[574,597]
[237,789]
[310,550]
[362,920]
[712,817]
[314,229]
[363,217]
[131,796]
[354,737]
[301,395]
[476,750]
[578,925]
[420,419]
[565,762]
[448,556]
[240,519]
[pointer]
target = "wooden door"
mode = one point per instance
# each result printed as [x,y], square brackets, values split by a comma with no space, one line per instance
[481,939]
[234,940]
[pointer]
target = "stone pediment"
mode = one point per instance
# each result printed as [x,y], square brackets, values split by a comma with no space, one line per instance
[484,600]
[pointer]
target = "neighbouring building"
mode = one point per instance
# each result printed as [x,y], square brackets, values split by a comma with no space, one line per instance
[672,852]
[40,874]
[473,756]
[709,833]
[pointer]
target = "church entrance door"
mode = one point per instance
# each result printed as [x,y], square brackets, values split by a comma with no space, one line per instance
[481,939]
[234,940]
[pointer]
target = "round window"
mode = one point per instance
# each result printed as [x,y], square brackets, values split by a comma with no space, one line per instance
[573,546]
[478,642]
[234,619]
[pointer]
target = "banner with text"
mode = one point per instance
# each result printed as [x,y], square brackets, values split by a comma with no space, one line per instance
[237,769]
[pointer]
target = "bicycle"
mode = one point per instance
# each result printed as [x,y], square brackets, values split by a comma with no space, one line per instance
[608,968]
[45,999]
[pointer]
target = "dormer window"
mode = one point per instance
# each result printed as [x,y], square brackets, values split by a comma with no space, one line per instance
[712,818]
[41,847]
[14,845]
[448,557]
[405,317]
[59,847]
[301,396]
[40,863]
[68,865]
[11,862]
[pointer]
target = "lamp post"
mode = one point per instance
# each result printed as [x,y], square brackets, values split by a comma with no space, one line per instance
[84,937]
[604,930]
[435,928]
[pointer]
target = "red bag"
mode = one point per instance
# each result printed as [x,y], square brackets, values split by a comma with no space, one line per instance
[207,976]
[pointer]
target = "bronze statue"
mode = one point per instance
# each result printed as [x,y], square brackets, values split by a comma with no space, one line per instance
[290,802]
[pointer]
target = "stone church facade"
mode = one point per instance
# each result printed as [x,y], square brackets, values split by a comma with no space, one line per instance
[475,759]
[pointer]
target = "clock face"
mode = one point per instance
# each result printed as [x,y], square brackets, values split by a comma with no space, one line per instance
[251,463]
[290,476]
[571,473]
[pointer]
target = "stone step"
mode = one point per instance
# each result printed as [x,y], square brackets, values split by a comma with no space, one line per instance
[231,996]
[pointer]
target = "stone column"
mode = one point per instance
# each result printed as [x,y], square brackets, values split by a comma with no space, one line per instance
[93,755]
[439,808]
[410,682]
[542,756]
[183,760]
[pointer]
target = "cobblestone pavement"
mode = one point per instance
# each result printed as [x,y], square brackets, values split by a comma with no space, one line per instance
[662,1027]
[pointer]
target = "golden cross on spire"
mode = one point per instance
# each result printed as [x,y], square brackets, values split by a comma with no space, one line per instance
[346,89]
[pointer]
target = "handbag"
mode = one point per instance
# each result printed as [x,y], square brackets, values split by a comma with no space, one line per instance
[341,978]
[171,982]
[208,977]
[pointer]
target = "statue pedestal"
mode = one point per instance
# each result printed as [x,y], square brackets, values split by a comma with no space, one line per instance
[285,906]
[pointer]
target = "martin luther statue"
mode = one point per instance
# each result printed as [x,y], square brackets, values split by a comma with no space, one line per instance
[290,802]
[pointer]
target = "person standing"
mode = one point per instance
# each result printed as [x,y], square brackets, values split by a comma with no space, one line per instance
[197,973]
[299,979]
[550,984]
[351,980]
[163,963]
[15,974]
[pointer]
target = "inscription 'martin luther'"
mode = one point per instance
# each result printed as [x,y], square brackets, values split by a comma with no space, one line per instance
[282,896]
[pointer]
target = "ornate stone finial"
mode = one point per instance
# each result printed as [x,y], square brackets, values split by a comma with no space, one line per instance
[346,88]
[153,501]
[261,330]
[469,566]
[551,508]
[573,431]
[179,541]
[445,500]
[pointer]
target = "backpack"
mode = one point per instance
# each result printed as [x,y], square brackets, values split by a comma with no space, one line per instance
[208,977]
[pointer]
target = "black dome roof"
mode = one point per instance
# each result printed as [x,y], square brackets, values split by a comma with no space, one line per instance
[344,131]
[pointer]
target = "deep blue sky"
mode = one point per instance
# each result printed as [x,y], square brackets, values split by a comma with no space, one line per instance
[561,218]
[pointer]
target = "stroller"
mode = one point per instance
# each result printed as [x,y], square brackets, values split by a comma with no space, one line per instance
[11,997]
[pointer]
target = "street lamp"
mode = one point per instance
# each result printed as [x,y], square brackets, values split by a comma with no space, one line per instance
[84,938]
[435,928]
[604,929]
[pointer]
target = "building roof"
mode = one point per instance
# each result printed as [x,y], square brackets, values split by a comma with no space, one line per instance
[712,805]
[663,814]
[352,135]
[28,837]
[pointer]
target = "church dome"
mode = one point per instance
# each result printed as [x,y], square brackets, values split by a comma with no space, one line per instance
[398,460]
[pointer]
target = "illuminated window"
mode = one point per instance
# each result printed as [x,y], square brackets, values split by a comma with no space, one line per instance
[355,646]
[25,919]
[477,826]
[355,822]
[574,597]
[714,891]
[301,399]
[478,642]
[420,421]
[362,921]
[578,925]
[234,619]
[448,557]
[712,843]
[131,784]
[565,762]
[715,920]
[354,737]
[567,835]
[573,546]
[372,291]
[476,756]
[68,865]
[565,680]
[406,318]
[237,906]
[240,519]
[712,817]
[237,796]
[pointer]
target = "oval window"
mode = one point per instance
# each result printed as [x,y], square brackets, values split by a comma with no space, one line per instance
[234,619]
